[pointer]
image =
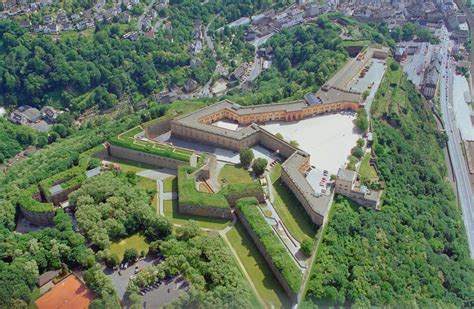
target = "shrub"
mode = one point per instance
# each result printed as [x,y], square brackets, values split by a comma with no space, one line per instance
[307,246]
[130,255]
[246,156]
[259,166]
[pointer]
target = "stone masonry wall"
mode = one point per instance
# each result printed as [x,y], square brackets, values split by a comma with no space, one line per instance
[214,212]
[157,129]
[315,217]
[38,218]
[142,157]
[291,294]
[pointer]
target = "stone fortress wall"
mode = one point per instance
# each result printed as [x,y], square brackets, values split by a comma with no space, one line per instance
[291,294]
[198,126]
[143,157]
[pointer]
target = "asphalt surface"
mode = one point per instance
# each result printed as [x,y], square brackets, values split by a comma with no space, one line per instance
[460,169]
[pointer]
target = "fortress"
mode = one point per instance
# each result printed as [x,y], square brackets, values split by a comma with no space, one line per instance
[198,127]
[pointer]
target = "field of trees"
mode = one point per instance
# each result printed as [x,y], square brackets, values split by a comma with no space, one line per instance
[413,251]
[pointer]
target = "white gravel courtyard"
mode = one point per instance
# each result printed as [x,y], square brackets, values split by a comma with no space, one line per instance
[327,138]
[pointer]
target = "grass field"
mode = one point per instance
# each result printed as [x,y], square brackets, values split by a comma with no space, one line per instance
[262,277]
[170,184]
[233,174]
[289,209]
[170,209]
[365,170]
[135,241]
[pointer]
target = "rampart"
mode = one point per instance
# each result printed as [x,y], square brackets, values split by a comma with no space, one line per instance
[291,294]
[38,218]
[143,157]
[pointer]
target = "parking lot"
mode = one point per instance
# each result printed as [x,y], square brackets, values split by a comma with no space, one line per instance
[165,293]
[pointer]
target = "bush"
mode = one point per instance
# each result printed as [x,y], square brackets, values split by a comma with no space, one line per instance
[130,255]
[246,156]
[362,121]
[272,244]
[307,246]
[259,166]
[357,152]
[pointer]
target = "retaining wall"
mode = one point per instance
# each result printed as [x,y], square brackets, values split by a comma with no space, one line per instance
[315,217]
[214,212]
[38,218]
[158,129]
[143,157]
[291,294]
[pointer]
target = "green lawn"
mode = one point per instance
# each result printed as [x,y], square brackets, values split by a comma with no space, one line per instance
[232,174]
[365,170]
[170,184]
[262,277]
[170,209]
[135,241]
[290,210]
[149,185]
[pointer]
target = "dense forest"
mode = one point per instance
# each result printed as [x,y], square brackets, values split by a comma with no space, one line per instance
[413,252]
[304,58]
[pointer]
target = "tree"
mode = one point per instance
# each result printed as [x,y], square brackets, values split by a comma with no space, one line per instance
[365,94]
[158,228]
[279,136]
[111,260]
[307,246]
[259,166]
[130,255]
[361,121]
[246,156]
[98,281]
[294,143]
[357,152]
[188,230]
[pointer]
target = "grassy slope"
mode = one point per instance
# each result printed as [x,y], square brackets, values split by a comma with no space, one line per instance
[232,174]
[290,209]
[262,277]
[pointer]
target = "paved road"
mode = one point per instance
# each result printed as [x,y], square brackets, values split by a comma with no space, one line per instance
[460,170]
[470,21]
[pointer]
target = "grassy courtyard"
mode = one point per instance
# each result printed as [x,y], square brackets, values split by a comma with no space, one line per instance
[289,208]
[233,174]
[262,277]
[170,209]
[366,171]
[135,241]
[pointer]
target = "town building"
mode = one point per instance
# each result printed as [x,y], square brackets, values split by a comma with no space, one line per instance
[348,185]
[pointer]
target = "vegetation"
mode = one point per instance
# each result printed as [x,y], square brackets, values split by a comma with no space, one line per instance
[14,138]
[109,207]
[257,268]
[152,148]
[362,121]
[25,256]
[305,57]
[170,184]
[207,263]
[231,174]
[171,212]
[413,252]
[307,246]
[290,209]
[246,157]
[259,166]
[280,257]
[188,195]
[136,241]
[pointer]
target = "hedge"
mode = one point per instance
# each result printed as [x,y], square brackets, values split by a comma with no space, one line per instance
[274,247]
[164,151]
